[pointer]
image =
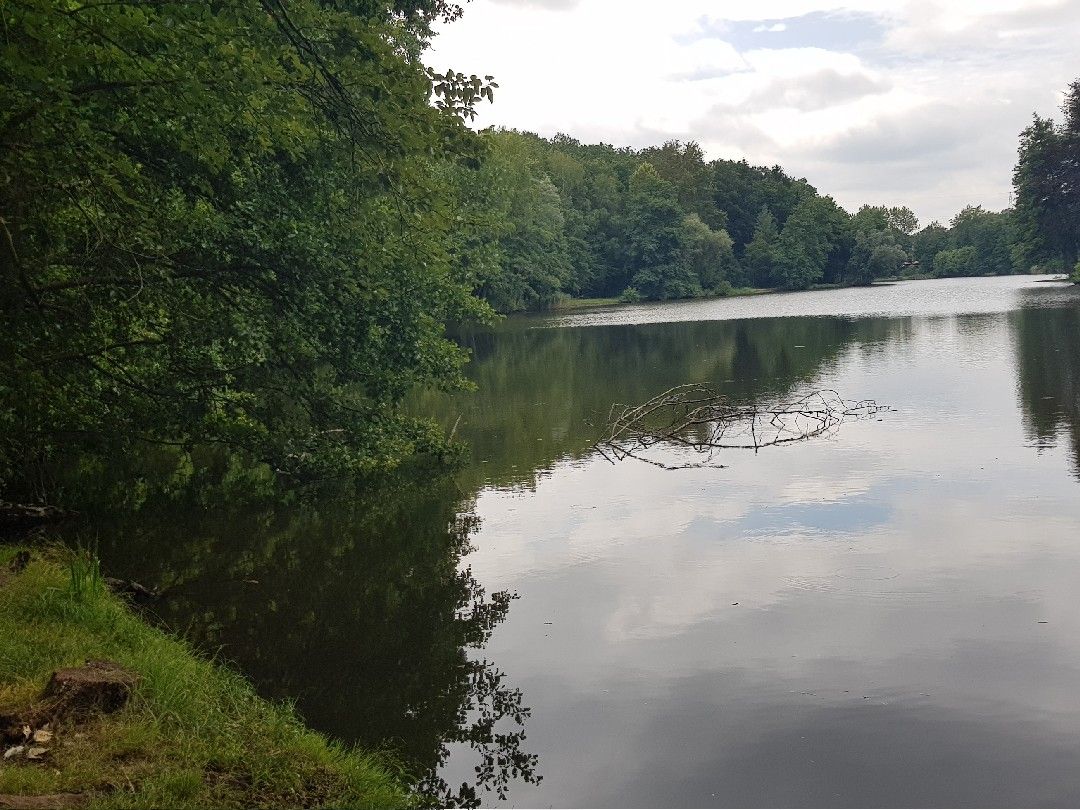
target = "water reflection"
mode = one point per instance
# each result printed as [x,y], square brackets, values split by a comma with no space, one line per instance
[883,618]
[544,395]
[352,603]
[853,620]
[1048,358]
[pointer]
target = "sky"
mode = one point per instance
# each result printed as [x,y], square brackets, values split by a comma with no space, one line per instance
[910,102]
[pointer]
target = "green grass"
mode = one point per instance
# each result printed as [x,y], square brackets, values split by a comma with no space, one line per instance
[564,304]
[737,292]
[570,304]
[194,734]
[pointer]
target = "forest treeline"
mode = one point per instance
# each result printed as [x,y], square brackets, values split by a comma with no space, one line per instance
[592,220]
[249,224]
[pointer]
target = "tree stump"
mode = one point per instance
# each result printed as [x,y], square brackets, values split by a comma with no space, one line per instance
[102,686]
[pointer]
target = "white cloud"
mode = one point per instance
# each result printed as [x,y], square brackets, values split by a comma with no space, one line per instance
[917,103]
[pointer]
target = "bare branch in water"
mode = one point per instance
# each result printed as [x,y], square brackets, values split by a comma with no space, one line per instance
[698,418]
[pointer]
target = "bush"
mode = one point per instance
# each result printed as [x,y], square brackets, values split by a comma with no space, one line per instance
[630,296]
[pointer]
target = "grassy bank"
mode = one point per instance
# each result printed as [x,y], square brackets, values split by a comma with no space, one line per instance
[571,304]
[193,735]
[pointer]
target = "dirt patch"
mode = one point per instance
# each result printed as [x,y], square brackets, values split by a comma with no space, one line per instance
[51,801]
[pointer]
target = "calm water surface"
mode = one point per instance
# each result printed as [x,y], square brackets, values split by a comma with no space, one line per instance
[886,616]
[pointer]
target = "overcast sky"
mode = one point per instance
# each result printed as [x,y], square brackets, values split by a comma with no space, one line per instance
[914,102]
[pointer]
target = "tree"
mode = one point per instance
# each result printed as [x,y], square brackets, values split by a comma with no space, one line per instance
[990,234]
[654,225]
[763,252]
[961,261]
[927,243]
[707,254]
[902,219]
[683,165]
[1046,182]
[813,232]
[871,218]
[221,227]
[875,255]
[529,221]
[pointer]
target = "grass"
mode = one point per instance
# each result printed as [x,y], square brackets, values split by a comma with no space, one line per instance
[564,304]
[194,734]
[570,304]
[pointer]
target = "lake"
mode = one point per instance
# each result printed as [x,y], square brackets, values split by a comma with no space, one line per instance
[882,616]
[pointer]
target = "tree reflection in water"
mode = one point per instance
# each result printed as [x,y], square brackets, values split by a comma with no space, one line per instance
[352,603]
[1048,361]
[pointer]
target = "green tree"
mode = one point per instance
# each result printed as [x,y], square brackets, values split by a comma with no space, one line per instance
[815,230]
[990,234]
[654,225]
[533,254]
[683,165]
[875,255]
[708,254]
[962,261]
[763,252]
[927,243]
[871,218]
[1046,182]
[221,226]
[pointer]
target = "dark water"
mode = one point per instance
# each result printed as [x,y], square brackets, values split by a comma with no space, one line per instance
[886,616]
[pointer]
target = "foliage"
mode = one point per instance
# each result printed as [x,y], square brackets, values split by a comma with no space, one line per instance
[653,230]
[210,218]
[816,231]
[708,254]
[956,262]
[763,252]
[1046,182]
[927,243]
[669,224]
[990,235]
[875,255]
[533,261]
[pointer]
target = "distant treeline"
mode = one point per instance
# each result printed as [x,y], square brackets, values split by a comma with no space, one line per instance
[592,220]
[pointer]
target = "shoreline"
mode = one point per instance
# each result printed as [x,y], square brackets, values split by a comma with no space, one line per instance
[192,733]
[568,305]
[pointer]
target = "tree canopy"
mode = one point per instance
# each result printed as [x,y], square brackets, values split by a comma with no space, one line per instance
[228,223]
[1046,182]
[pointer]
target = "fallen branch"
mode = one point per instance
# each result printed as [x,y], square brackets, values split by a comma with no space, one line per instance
[697,418]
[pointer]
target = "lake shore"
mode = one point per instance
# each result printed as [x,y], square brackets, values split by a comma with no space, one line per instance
[575,304]
[572,304]
[192,733]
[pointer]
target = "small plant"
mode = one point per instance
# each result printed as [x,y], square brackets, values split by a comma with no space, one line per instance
[723,289]
[1075,277]
[630,295]
[85,572]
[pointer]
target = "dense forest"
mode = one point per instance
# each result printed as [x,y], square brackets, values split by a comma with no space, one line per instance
[250,225]
[578,220]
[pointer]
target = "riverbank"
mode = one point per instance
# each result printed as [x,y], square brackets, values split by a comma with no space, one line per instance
[192,734]
[566,305]
[571,304]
